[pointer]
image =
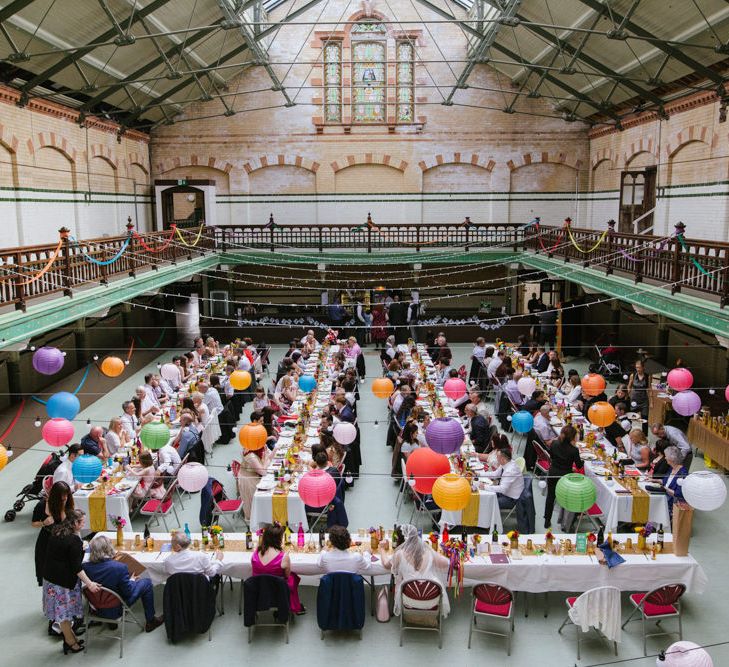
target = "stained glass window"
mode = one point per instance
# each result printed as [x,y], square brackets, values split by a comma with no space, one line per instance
[368,82]
[333,82]
[369,28]
[405,83]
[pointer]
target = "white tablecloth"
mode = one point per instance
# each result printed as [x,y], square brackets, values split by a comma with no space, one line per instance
[488,513]
[262,510]
[533,574]
[618,507]
[116,505]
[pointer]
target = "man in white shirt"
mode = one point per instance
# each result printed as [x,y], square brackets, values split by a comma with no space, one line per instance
[510,480]
[147,403]
[129,420]
[172,372]
[211,397]
[192,562]
[340,559]
[168,460]
[244,363]
[64,472]
[675,436]
[494,364]
[163,387]
[542,426]
[397,401]
[150,388]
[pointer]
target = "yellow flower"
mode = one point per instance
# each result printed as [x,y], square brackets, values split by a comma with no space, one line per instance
[638,529]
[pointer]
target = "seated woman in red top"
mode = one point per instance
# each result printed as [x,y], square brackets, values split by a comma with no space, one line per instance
[270,558]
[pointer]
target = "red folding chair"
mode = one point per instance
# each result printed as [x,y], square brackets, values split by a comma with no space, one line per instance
[420,607]
[660,603]
[492,601]
[544,460]
[226,508]
[156,509]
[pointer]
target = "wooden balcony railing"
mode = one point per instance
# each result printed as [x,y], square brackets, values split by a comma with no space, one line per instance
[27,273]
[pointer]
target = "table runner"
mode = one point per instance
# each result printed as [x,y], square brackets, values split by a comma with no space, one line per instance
[470,512]
[641,506]
[97,509]
[280,508]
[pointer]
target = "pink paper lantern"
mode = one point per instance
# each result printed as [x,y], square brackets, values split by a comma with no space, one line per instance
[444,435]
[454,388]
[193,477]
[57,432]
[48,360]
[345,433]
[680,379]
[685,654]
[726,393]
[686,403]
[317,488]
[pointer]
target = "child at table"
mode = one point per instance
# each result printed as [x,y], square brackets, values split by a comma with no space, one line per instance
[150,486]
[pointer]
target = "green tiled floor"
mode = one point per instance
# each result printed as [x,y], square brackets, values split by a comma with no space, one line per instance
[370,502]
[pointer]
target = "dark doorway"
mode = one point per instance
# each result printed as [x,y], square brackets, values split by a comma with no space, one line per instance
[637,197]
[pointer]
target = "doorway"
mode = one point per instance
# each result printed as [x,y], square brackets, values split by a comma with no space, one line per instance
[637,197]
[183,205]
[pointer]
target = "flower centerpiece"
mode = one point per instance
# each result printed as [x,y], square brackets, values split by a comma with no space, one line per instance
[215,533]
[118,522]
[513,536]
[549,539]
[644,532]
[591,542]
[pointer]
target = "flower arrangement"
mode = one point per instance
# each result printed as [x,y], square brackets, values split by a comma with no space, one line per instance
[549,536]
[117,521]
[591,537]
[513,534]
[216,529]
[645,531]
[104,475]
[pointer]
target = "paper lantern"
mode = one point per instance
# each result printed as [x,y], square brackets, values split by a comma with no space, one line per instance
[252,437]
[522,421]
[317,488]
[704,490]
[382,387]
[193,477]
[112,367]
[444,435]
[154,435]
[576,493]
[526,386]
[425,466]
[63,405]
[593,384]
[601,414]
[685,654]
[57,432]
[451,492]
[686,403]
[3,457]
[240,380]
[680,379]
[307,383]
[48,360]
[86,468]
[454,388]
[345,433]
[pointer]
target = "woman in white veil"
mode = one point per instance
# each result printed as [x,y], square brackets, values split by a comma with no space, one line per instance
[414,559]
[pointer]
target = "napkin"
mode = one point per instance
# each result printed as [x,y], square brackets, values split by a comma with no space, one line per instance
[611,557]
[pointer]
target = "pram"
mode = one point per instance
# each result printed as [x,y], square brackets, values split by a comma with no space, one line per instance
[34,490]
[608,362]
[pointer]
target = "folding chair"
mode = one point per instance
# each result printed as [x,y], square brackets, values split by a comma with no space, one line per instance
[263,585]
[108,599]
[180,491]
[594,514]
[544,460]
[420,607]
[420,507]
[154,509]
[492,601]
[660,603]
[228,509]
[571,602]
[402,489]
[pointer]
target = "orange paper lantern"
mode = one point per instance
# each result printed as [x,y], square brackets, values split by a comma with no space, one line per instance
[3,457]
[593,384]
[601,414]
[252,436]
[240,380]
[425,466]
[382,387]
[112,367]
[451,492]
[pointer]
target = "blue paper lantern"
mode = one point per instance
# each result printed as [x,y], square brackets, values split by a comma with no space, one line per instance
[63,405]
[86,468]
[522,422]
[307,383]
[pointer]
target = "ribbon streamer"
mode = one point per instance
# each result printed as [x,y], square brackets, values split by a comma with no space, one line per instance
[105,262]
[75,391]
[157,344]
[144,245]
[539,237]
[45,269]
[12,424]
[197,239]
[694,261]
[595,247]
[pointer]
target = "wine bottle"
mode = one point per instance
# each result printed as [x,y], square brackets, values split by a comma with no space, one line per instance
[394,536]
[600,535]
[300,536]
[464,535]
[287,534]
[249,541]
[321,538]
[221,540]
[660,536]
[495,536]
[445,536]
[146,532]
[610,539]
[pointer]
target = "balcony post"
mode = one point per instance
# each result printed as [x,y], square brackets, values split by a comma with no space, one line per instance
[676,271]
[611,231]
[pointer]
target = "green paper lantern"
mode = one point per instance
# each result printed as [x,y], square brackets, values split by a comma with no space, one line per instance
[154,435]
[576,493]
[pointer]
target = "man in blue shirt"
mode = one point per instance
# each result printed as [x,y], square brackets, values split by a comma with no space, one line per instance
[188,436]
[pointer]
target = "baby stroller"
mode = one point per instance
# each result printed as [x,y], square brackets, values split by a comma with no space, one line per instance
[608,362]
[34,490]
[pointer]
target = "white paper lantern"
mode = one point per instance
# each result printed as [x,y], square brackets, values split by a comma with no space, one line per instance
[192,477]
[685,654]
[344,433]
[527,386]
[704,490]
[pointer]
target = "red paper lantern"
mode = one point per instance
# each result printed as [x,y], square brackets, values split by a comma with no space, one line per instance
[317,488]
[601,414]
[680,379]
[425,466]
[593,384]
[57,432]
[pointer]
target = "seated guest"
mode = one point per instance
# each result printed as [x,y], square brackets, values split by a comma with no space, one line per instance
[511,388]
[115,436]
[149,483]
[172,373]
[352,349]
[474,399]
[345,412]
[409,439]
[398,396]
[406,408]
[211,396]
[198,402]
[675,436]
[543,428]
[335,451]
[537,400]
[147,405]
[496,362]
[636,447]
[477,427]
[659,466]
[572,389]
[670,482]
[260,399]
[191,562]
[621,409]
[270,558]
[188,435]
[114,575]
[621,395]
[339,558]
[490,455]
[94,443]
[64,472]
[616,431]
[510,480]
[542,360]
[129,420]
[168,460]
[442,370]
[253,466]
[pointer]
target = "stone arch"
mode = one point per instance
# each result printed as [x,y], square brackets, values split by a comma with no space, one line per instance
[103,174]
[688,134]
[640,159]
[544,176]
[8,139]
[602,174]
[642,145]
[105,153]
[193,161]
[683,161]
[369,177]
[457,158]
[9,169]
[369,158]
[602,155]
[201,172]
[55,141]
[280,160]
[544,157]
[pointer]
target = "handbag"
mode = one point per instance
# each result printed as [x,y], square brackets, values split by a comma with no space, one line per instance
[382,606]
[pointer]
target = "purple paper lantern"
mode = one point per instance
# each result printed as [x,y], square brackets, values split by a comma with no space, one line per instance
[687,403]
[444,435]
[48,360]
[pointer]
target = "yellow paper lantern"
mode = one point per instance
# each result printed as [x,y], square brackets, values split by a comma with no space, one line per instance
[382,387]
[252,437]
[3,457]
[112,367]
[451,492]
[240,380]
